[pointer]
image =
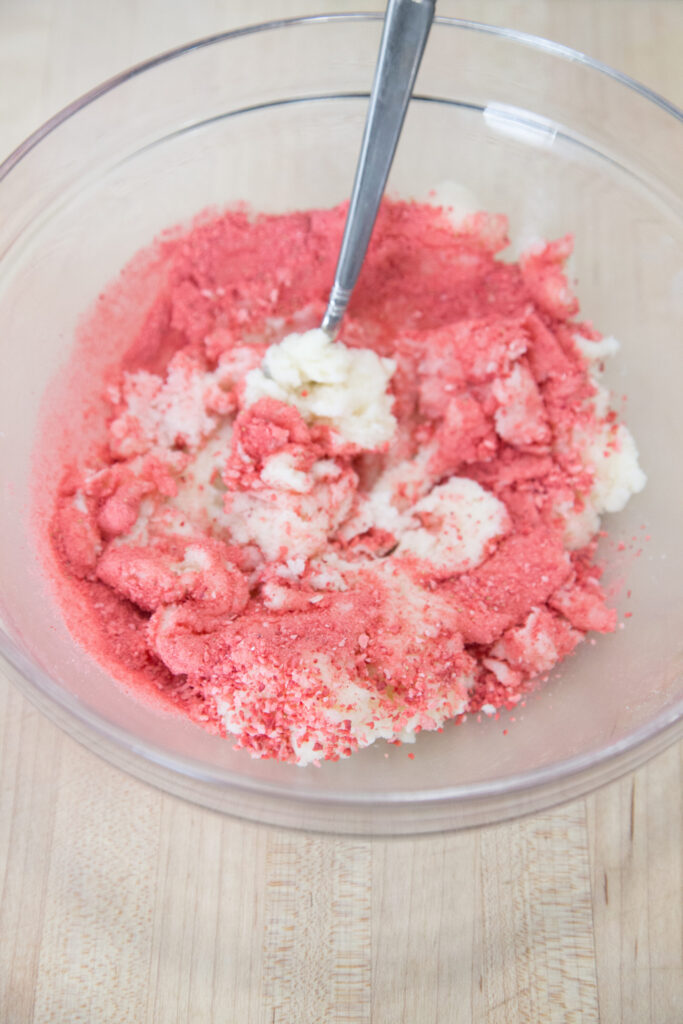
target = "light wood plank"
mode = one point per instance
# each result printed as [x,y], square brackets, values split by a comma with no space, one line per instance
[205,963]
[636,842]
[537,926]
[24,50]
[30,758]
[97,929]
[425,908]
[316,955]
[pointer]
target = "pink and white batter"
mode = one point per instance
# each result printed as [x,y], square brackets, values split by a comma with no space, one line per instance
[370,539]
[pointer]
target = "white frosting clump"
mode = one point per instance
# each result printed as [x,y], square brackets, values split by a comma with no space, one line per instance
[345,388]
[608,450]
[162,412]
[462,520]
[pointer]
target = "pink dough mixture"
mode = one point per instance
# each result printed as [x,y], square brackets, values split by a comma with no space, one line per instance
[243,562]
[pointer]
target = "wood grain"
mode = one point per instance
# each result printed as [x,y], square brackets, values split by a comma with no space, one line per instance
[316,951]
[635,836]
[426,910]
[119,904]
[537,927]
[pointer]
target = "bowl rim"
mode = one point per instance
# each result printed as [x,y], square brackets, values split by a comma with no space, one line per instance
[524,38]
[666,725]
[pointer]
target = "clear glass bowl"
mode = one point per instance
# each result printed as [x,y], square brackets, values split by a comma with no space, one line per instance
[273,114]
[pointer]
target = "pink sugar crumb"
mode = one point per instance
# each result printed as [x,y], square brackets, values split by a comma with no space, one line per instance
[171,588]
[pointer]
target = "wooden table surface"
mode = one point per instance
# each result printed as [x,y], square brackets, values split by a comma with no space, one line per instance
[119,904]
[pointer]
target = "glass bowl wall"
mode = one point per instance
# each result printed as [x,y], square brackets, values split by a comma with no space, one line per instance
[273,115]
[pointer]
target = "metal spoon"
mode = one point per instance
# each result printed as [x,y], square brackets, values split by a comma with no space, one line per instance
[406,28]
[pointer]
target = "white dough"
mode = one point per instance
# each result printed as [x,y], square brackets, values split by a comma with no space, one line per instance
[345,388]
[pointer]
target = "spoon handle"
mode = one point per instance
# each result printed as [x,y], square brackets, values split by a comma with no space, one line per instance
[406,27]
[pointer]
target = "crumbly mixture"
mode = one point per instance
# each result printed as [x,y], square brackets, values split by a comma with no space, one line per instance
[343,542]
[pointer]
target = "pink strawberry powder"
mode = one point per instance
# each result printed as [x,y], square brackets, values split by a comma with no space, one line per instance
[489,386]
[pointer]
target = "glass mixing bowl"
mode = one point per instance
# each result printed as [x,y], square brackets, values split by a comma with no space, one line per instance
[273,114]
